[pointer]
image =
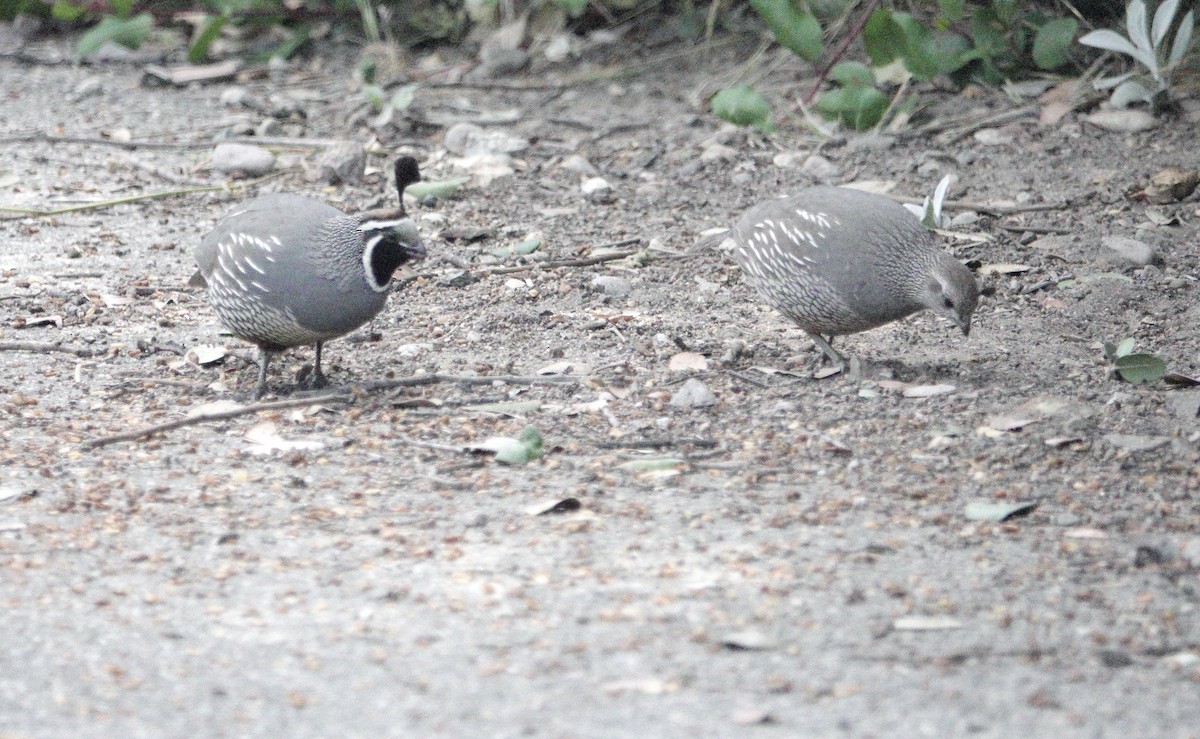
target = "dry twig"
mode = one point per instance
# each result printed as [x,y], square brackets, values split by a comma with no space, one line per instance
[199,418]
[46,347]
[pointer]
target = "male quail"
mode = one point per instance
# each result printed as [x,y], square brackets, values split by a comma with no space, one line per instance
[286,270]
[838,261]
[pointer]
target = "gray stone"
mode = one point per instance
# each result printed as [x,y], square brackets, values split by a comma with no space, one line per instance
[693,394]
[343,162]
[253,161]
[1131,250]
[617,287]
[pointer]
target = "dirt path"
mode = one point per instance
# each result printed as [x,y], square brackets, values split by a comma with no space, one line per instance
[807,567]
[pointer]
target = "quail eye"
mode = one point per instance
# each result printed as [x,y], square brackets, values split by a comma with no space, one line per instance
[948,302]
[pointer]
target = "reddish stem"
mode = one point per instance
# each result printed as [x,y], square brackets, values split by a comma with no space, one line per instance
[854,33]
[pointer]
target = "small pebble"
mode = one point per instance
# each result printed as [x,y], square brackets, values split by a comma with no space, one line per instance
[253,161]
[579,165]
[88,88]
[693,394]
[342,163]
[594,185]
[820,167]
[1131,250]
[617,287]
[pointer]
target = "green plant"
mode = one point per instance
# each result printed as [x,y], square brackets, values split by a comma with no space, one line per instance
[1150,48]
[742,106]
[993,40]
[856,102]
[930,212]
[1133,368]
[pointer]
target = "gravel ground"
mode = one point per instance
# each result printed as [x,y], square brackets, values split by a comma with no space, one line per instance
[795,560]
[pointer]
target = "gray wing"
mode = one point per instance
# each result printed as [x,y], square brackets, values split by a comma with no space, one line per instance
[283,220]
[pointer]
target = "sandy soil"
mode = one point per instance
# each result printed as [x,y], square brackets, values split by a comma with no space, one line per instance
[806,568]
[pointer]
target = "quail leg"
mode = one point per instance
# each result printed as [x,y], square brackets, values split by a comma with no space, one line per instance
[317,378]
[826,346]
[264,358]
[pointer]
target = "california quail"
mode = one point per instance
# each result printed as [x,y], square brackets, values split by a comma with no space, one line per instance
[285,270]
[838,261]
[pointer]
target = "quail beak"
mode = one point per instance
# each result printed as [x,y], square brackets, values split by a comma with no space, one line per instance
[415,251]
[965,326]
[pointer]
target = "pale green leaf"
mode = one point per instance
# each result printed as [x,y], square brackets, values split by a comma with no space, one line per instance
[130,33]
[742,106]
[1162,21]
[989,511]
[794,28]
[1183,37]
[1052,44]
[438,189]
[404,96]
[1139,368]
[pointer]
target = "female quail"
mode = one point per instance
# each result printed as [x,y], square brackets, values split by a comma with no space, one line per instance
[838,261]
[286,270]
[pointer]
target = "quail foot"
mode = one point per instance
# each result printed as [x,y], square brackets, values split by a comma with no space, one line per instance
[839,261]
[285,270]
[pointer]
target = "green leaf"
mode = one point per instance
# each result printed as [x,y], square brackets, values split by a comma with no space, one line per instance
[656,464]
[574,8]
[438,189]
[403,97]
[508,408]
[952,9]
[794,28]
[1125,348]
[989,511]
[528,246]
[130,33]
[374,95]
[926,54]
[67,11]
[1052,45]
[121,8]
[209,32]
[515,451]
[1139,368]
[858,107]
[299,38]
[852,73]
[742,106]
[883,38]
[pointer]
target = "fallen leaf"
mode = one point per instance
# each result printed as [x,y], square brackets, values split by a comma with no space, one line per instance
[264,438]
[1085,533]
[990,511]
[513,409]
[926,623]
[1004,269]
[204,354]
[1061,441]
[217,406]
[928,391]
[688,361]
[749,640]
[554,506]
[438,189]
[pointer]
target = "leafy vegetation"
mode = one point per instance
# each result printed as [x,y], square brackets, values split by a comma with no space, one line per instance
[1156,48]
[1131,367]
[930,212]
[742,106]
[990,41]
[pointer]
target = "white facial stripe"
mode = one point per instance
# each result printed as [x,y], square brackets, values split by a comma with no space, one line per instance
[381,225]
